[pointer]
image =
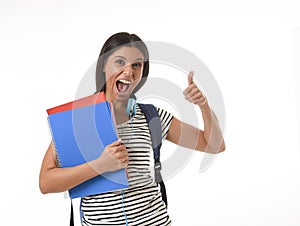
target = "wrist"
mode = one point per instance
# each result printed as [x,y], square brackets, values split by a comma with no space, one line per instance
[96,166]
[204,107]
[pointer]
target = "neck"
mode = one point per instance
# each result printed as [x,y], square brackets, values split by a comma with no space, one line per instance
[120,111]
[120,106]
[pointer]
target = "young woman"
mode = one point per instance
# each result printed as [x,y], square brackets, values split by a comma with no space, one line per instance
[122,69]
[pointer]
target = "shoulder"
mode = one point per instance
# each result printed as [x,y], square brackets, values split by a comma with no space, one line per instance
[154,111]
[145,108]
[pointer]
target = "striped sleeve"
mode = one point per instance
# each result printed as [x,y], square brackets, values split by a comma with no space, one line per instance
[166,119]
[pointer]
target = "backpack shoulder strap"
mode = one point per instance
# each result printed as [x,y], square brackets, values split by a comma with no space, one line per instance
[154,124]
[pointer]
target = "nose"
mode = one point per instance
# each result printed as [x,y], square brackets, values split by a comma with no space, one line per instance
[128,70]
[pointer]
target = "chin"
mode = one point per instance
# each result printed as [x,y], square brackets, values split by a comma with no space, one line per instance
[122,96]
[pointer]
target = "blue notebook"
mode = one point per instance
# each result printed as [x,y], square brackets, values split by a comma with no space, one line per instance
[80,135]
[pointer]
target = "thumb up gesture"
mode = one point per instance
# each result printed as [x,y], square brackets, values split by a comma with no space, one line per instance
[193,94]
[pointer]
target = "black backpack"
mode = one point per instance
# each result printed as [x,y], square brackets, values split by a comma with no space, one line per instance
[154,124]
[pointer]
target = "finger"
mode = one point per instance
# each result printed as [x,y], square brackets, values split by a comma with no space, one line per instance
[194,96]
[115,151]
[189,89]
[120,148]
[201,101]
[190,78]
[192,93]
[124,161]
[115,143]
[121,157]
[122,154]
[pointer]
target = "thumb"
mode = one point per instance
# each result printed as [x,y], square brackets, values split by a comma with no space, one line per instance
[190,78]
[127,174]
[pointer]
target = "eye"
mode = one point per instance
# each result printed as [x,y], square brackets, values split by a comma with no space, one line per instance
[120,62]
[137,64]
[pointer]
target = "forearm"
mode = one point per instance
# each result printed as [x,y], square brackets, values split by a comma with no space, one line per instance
[54,179]
[212,132]
[62,179]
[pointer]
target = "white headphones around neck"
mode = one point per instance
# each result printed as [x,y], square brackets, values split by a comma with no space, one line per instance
[131,106]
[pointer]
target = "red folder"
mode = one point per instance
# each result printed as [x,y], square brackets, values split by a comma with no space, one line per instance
[83,102]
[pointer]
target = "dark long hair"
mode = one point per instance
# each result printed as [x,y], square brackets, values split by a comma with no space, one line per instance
[111,45]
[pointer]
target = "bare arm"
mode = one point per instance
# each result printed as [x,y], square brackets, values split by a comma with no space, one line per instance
[55,179]
[211,139]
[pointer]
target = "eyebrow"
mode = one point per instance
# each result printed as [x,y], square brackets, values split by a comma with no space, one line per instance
[137,59]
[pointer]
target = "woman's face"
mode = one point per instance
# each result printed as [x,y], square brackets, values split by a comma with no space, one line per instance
[123,69]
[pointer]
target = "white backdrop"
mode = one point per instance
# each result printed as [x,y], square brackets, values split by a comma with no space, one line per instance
[252,49]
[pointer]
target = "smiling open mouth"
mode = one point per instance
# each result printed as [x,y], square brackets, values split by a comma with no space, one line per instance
[122,85]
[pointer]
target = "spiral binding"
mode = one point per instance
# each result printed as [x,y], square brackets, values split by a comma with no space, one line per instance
[56,156]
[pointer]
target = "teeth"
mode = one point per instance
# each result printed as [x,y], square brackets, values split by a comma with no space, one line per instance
[125,81]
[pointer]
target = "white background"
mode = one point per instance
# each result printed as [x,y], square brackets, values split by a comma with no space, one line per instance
[252,49]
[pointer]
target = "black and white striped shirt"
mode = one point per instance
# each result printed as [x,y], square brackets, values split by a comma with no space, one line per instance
[142,201]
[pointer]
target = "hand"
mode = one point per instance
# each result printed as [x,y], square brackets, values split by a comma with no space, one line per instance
[114,157]
[193,94]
